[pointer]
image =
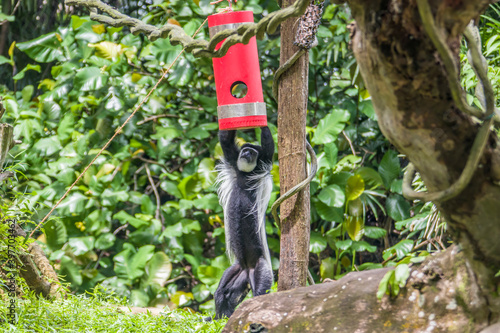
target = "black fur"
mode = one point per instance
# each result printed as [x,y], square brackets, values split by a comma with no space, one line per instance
[247,240]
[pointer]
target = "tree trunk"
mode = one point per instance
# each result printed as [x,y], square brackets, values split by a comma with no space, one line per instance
[454,291]
[295,211]
[408,84]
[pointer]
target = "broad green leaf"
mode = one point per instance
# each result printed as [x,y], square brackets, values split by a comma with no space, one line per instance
[371,177]
[401,274]
[164,52]
[328,213]
[105,241]
[366,107]
[181,298]
[324,32]
[361,246]
[77,21]
[111,198]
[5,17]
[331,153]
[171,188]
[326,268]
[124,217]
[71,271]
[317,243]
[66,127]
[158,269]
[209,201]
[354,226]
[343,245]
[397,186]
[332,196]
[401,249]
[55,234]
[198,133]
[167,133]
[182,74]
[333,235]
[86,33]
[188,226]
[139,298]
[4,60]
[389,167]
[189,186]
[206,172]
[73,204]
[209,275]
[375,232]
[81,245]
[130,265]
[383,287]
[397,207]
[90,79]
[356,207]
[44,49]
[201,292]
[347,163]
[417,219]
[28,91]
[107,50]
[354,188]
[48,146]
[330,126]
[20,75]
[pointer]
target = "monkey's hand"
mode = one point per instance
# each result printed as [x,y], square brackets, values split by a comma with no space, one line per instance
[267,144]
[228,145]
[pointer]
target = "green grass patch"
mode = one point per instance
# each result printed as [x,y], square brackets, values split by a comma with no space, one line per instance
[94,313]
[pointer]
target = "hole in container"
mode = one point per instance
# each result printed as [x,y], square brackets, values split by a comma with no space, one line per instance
[239,89]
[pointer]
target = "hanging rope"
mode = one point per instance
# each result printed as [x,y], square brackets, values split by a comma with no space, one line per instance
[118,131]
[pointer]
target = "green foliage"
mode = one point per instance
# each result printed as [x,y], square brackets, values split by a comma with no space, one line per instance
[393,281]
[145,221]
[97,312]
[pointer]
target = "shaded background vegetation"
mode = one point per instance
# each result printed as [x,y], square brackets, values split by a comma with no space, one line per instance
[145,222]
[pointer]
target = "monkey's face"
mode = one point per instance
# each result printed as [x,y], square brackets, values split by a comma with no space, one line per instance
[247,161]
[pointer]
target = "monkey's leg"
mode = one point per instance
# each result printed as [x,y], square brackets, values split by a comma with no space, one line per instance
[233,287]
[261,277]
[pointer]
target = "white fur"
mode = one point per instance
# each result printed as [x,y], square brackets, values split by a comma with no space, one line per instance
[244,166]
[262,183]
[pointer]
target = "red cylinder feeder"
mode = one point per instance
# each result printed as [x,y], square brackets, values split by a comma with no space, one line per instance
[237,77]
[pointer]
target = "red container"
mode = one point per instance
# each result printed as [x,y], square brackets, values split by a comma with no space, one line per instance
[237,69]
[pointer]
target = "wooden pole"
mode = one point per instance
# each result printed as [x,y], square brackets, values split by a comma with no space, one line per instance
[295,211]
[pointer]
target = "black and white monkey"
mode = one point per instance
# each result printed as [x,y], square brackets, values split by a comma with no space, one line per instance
[245,186]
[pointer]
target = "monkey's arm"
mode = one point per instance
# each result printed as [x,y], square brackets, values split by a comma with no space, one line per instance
[267,144]
[228,145]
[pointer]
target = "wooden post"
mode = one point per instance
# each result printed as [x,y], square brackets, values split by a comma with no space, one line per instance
[295,212]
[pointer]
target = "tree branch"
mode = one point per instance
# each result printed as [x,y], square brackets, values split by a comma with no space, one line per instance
[481,140]
[177,36]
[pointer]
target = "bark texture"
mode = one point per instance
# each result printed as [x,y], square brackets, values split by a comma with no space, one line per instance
[407,81]
[37,270]
[295,211]
[441,296]
[454,291]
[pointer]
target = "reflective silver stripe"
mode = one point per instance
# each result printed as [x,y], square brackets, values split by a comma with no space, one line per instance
[241,110]
[219,28]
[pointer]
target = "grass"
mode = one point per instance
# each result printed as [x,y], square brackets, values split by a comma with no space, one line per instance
[94,313]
